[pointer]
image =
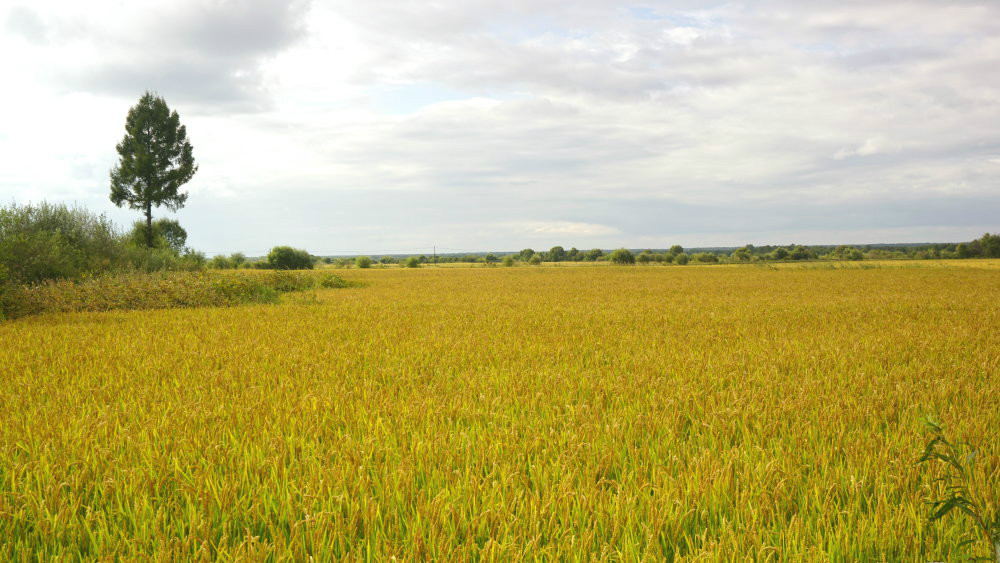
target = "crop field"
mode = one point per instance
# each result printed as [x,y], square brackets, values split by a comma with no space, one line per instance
[605,413]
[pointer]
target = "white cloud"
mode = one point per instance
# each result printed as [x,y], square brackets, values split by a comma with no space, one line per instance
[871,146]
[434,121]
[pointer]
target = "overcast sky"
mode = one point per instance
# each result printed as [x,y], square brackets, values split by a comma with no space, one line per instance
[391,126]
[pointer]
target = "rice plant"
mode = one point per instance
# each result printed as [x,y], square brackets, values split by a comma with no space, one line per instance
[703,413]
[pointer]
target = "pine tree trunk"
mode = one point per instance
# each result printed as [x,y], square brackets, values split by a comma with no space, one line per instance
[149,225]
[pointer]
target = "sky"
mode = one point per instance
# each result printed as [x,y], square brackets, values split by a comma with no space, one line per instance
[378,126]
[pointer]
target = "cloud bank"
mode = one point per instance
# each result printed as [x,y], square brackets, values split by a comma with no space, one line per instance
[494,125]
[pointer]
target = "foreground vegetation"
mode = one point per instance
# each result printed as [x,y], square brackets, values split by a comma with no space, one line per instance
[581,413]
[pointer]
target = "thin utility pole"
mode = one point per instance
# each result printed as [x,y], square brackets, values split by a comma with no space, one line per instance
[435,255]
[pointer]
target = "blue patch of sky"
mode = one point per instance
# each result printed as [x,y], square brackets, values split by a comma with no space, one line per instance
[408,98]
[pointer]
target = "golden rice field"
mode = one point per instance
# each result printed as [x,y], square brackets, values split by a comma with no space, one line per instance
[638,413]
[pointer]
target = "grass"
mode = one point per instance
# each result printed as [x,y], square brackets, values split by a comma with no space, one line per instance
[694,413]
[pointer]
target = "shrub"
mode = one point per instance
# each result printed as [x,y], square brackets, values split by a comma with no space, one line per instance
[54,241]
[681,259]
[706,257]
[288,258]
[331,281]
[622,256]
[507,261]
[220,262]
[778,254]
[167,233]
[412,262]
[535,260]
[363,262]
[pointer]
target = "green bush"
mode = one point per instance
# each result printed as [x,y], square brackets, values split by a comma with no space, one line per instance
[535,260]
[363,262]
[681,259]
[221,262]
[167,233]
[288,258]
[508,261]
[53,241]
[706,257]
[412,262]
[622,256]
[331,281]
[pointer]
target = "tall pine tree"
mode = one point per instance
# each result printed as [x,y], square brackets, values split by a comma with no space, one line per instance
[155,162]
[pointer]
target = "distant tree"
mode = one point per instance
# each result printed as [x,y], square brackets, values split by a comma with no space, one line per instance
[573,255]
[741,254]
[412,262]
[681,259]
[676,249]
[237,259]
[526,254]
[989,246]
[508,261]
[288,258]
[706,257]
[779,254]
[844,252]
[155,161]
[801,253]
[557,254]
[491,258]
[594,254]
[387,260]
[644,257]
[535,260]
[363,262]
[220,262]
[622,256]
